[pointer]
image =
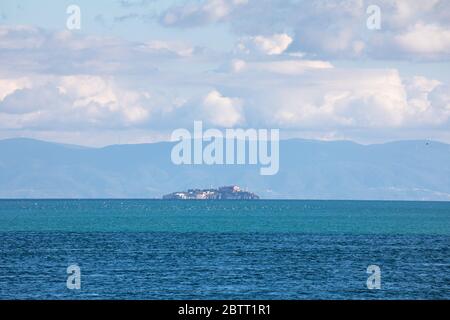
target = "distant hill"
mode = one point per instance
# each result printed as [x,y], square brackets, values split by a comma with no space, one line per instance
[404,170]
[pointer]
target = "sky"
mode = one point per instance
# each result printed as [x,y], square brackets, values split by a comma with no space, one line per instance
[136,70]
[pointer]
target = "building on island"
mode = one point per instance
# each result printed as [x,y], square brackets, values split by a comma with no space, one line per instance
[223,193]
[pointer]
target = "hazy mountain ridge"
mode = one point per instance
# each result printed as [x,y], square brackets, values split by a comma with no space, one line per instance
[403,170]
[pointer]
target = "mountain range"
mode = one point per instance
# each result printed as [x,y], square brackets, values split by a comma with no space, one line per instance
[309,169]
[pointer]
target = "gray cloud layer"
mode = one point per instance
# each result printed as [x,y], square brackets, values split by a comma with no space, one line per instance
[409,29]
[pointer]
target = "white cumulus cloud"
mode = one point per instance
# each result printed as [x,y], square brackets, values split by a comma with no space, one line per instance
[71,102]
[222,111]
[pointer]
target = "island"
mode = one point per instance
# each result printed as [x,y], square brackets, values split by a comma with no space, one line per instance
[223,193]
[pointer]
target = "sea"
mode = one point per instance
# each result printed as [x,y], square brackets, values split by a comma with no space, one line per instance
[266,249]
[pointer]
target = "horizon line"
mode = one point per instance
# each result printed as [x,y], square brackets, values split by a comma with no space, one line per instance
[214,200]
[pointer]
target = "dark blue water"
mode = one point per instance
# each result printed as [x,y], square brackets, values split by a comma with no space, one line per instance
[138,249]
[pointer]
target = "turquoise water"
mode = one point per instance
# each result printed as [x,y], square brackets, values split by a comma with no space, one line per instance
[320,217]
[151,249]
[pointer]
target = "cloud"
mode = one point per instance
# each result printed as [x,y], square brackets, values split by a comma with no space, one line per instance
[289,67]
[222,111]
[271,45]
[8,86]
[329,29]
[431,103]
[70,82]
[30,49]
[20,37]
[369,102]
[293,67]
[177,48]
[425,40]
[194,14]
[365,99]
[72,102]
[236,65]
